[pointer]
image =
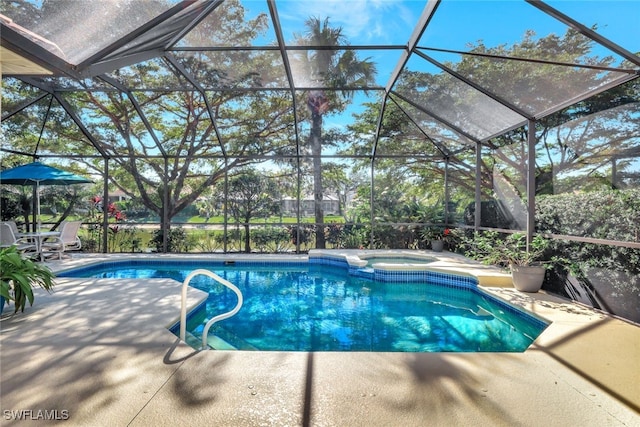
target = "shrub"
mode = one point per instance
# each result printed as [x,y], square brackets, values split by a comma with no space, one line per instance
[271,239]
[608,274]
[492,247]
[177,240]
[210,242]
[304,233]
[355,237]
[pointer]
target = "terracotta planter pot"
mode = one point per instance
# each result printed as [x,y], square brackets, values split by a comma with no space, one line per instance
[527,278]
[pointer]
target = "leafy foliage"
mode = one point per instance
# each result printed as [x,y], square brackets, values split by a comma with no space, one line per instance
[356,237]
[347,236]
[251,196]
[210,241]
[302,235]
[609,273]
[492,247]
[606,214]
[18,275]
[177,240]
[271,239]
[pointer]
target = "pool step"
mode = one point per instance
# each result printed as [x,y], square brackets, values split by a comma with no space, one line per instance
[192,340]
[214,342]
[229,337]
[217,343]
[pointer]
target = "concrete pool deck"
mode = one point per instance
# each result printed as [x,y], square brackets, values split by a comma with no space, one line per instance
[96,352]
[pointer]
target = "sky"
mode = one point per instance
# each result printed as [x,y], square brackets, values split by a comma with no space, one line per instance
[459,23]
[392,21]
[456,23]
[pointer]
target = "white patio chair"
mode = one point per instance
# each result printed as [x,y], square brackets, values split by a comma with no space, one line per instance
[14,227]
[8,238]
[68,240]
[50,247]
[69,235]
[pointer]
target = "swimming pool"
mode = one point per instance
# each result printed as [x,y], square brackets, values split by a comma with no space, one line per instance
[301,306]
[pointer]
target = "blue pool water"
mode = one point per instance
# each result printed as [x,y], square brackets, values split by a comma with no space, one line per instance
[306,307]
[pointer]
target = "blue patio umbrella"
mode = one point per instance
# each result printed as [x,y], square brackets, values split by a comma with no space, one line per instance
[37,174]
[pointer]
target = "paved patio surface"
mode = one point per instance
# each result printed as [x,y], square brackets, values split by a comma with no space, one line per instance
[96,352]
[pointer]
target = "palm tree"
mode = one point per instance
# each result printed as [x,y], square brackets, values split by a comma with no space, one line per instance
[331,69]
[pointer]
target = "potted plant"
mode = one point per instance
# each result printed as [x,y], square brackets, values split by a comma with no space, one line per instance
[527,266]
[437,235]
[18,275]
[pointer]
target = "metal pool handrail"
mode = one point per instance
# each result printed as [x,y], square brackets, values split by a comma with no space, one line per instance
[183,308]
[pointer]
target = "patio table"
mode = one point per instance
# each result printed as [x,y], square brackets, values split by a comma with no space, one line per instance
[39,237]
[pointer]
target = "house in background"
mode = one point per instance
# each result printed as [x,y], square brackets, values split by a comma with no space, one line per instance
[330,205]
[118,195]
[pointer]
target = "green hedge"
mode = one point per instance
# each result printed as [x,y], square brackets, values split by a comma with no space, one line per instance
[608,274]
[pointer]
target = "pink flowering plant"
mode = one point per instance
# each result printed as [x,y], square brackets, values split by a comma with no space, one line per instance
[118,236]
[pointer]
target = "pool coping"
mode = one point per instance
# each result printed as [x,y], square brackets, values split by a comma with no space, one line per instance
[581,370]
[445,262]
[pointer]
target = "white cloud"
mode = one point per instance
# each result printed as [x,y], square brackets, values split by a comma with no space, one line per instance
[362,21]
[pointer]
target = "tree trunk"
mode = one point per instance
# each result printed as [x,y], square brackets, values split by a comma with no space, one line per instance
[247,239]
[165,229]
[316,152]
[67,211]
[25,204]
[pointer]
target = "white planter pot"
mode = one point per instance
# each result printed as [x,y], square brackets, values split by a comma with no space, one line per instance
[527,278]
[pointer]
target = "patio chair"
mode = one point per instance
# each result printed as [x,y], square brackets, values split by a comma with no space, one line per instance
[69,235]
[14,227]
[51,246]
[68,240]
[9,238]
